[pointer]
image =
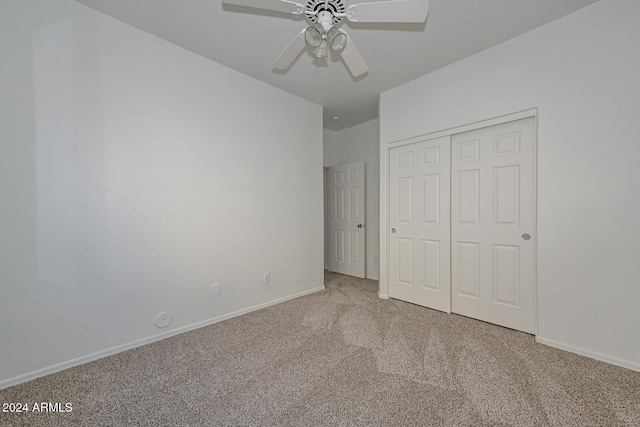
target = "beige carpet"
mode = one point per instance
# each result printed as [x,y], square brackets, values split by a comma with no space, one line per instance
[341,357]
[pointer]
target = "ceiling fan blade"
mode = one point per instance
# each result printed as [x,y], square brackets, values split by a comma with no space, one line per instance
[290,53]
[278,5]
[389,11]
[353,59]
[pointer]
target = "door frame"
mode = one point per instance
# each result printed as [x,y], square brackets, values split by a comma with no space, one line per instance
[385,158]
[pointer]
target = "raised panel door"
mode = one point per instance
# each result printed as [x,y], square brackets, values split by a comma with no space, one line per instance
[419,269]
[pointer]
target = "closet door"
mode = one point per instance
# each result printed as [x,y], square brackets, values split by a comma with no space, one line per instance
[419,234]
[493,224]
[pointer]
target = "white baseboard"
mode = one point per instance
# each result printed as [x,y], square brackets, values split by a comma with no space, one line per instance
[588,353]
[383,296]
[144,341]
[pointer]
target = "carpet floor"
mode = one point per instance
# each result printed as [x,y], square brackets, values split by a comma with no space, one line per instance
[341,357]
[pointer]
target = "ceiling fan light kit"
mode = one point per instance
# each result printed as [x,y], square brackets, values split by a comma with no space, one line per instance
[313,36]
[321,51]
[324,15]
[337,39]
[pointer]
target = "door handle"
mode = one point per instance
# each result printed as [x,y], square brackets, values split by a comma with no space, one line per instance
[393,230]
[359,225]
[526,236]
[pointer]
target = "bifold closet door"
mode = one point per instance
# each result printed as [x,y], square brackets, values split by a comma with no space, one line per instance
[419,234]
[493,224]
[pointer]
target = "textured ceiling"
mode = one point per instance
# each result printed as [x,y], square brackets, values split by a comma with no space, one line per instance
[249,40]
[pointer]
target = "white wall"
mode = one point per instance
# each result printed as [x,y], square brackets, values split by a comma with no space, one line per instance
[329,159]
[359,144]
[329,150]
[581,72]
[133,174]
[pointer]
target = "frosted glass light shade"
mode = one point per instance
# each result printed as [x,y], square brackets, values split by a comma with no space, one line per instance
[321,51]
[337,39]
[313,36]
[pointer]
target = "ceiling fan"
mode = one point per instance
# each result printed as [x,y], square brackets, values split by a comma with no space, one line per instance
[325,15]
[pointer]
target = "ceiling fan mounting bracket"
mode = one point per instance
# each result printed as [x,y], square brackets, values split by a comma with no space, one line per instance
[350,14]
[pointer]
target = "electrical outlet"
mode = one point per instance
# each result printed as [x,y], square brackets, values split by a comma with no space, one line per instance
[215,290]
[267,278]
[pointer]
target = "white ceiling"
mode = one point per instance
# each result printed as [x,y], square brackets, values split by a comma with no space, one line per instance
[249,40]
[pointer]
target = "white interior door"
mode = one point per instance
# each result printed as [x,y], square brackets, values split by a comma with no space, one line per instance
[346,204]
[419,262]
[493,224]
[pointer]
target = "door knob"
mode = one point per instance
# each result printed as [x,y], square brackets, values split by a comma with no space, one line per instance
[393,230]
[526,236]
[359,225]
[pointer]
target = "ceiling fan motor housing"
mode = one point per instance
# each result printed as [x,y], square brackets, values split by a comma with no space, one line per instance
[314,7]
